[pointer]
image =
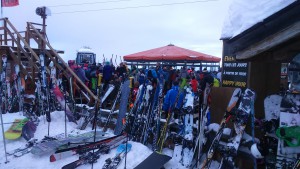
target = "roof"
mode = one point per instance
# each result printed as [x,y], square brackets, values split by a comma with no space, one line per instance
[85,50]
[171,53]
[244,14]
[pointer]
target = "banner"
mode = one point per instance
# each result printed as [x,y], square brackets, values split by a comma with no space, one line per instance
[235,74]
[9,3]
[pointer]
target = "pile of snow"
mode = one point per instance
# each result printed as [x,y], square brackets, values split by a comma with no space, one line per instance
[138,153]
[243,14]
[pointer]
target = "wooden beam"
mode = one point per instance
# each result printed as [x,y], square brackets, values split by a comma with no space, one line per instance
[66,66]
[18,61]
[270,42]
[21,48]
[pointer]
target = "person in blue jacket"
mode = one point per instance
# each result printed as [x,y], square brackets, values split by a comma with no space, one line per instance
[107,74]
[170,97]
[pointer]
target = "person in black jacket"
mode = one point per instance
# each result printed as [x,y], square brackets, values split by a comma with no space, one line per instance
[207,78]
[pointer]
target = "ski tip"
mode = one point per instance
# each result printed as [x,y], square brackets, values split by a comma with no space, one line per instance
[52,158]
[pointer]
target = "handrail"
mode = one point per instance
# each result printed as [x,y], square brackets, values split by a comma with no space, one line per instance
[20,46]
[22,39]
[63,62]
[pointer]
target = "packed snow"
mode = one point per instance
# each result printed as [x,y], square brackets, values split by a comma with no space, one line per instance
[243,14]
[138,153]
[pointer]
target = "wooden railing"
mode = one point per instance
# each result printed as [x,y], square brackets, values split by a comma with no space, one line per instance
[67,71]
[20,41]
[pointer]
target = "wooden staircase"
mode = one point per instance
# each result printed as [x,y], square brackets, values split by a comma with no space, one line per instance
[18,47]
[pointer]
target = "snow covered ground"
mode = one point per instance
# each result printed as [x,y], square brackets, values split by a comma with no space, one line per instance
[138,153]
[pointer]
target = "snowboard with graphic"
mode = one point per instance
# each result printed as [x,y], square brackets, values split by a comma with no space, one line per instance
[15,130]
[288,132]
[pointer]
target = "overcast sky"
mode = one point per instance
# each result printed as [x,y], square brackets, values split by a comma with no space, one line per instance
[122,27]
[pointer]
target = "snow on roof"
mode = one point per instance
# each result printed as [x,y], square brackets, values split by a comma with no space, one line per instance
[243,14]
[85,50]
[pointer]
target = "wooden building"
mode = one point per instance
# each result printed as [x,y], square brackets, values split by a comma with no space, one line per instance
[255,57]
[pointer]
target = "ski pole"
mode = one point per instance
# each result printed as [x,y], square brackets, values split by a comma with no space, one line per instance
[130,86]
[65,96]
[252,126]
[97,108]
[4,141]
[3,76]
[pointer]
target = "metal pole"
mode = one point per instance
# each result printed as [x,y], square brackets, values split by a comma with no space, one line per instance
[4,141]
[65,115]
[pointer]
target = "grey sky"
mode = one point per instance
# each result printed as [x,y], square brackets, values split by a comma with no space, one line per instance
[196,26]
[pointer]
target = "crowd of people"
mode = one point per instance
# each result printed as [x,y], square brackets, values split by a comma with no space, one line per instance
[171,76]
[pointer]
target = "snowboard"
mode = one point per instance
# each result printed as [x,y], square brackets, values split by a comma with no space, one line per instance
[28,130]
[15,130]
[61,99]
[293,75]
[154,161]
[242,115]
[289,117]
[211,151]
[51,146]
[122,107]
[272,107]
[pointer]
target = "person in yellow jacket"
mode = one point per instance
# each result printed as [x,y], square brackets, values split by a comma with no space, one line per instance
[216,83]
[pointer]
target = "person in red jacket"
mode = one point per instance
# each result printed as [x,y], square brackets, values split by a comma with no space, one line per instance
[194,84]
[135,90]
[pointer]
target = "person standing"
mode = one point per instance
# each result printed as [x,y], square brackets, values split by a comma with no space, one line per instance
[107,74]
[183,74]
[194,84]
[170,97]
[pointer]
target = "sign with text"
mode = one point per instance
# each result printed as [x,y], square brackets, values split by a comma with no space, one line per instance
[235,74]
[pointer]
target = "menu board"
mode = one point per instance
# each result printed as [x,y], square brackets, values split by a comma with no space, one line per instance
[235,73]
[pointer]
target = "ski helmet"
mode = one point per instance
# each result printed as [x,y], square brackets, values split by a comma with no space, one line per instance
[255,152]
[51,64]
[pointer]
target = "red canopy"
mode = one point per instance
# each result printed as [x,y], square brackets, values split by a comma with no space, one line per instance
[171,53]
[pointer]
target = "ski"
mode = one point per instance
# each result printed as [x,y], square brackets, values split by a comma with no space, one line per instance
[91,157]
[3,85]
[81,149]
[122,150]
[23,150]
[51,146]
[105,127]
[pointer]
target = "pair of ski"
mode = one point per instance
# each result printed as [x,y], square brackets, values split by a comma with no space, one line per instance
[3,88]
[87,152]
[23,150]
[184,138]
[121,152]
[30,144]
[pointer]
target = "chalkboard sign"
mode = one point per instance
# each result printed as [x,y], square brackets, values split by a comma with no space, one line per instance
[234,73]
